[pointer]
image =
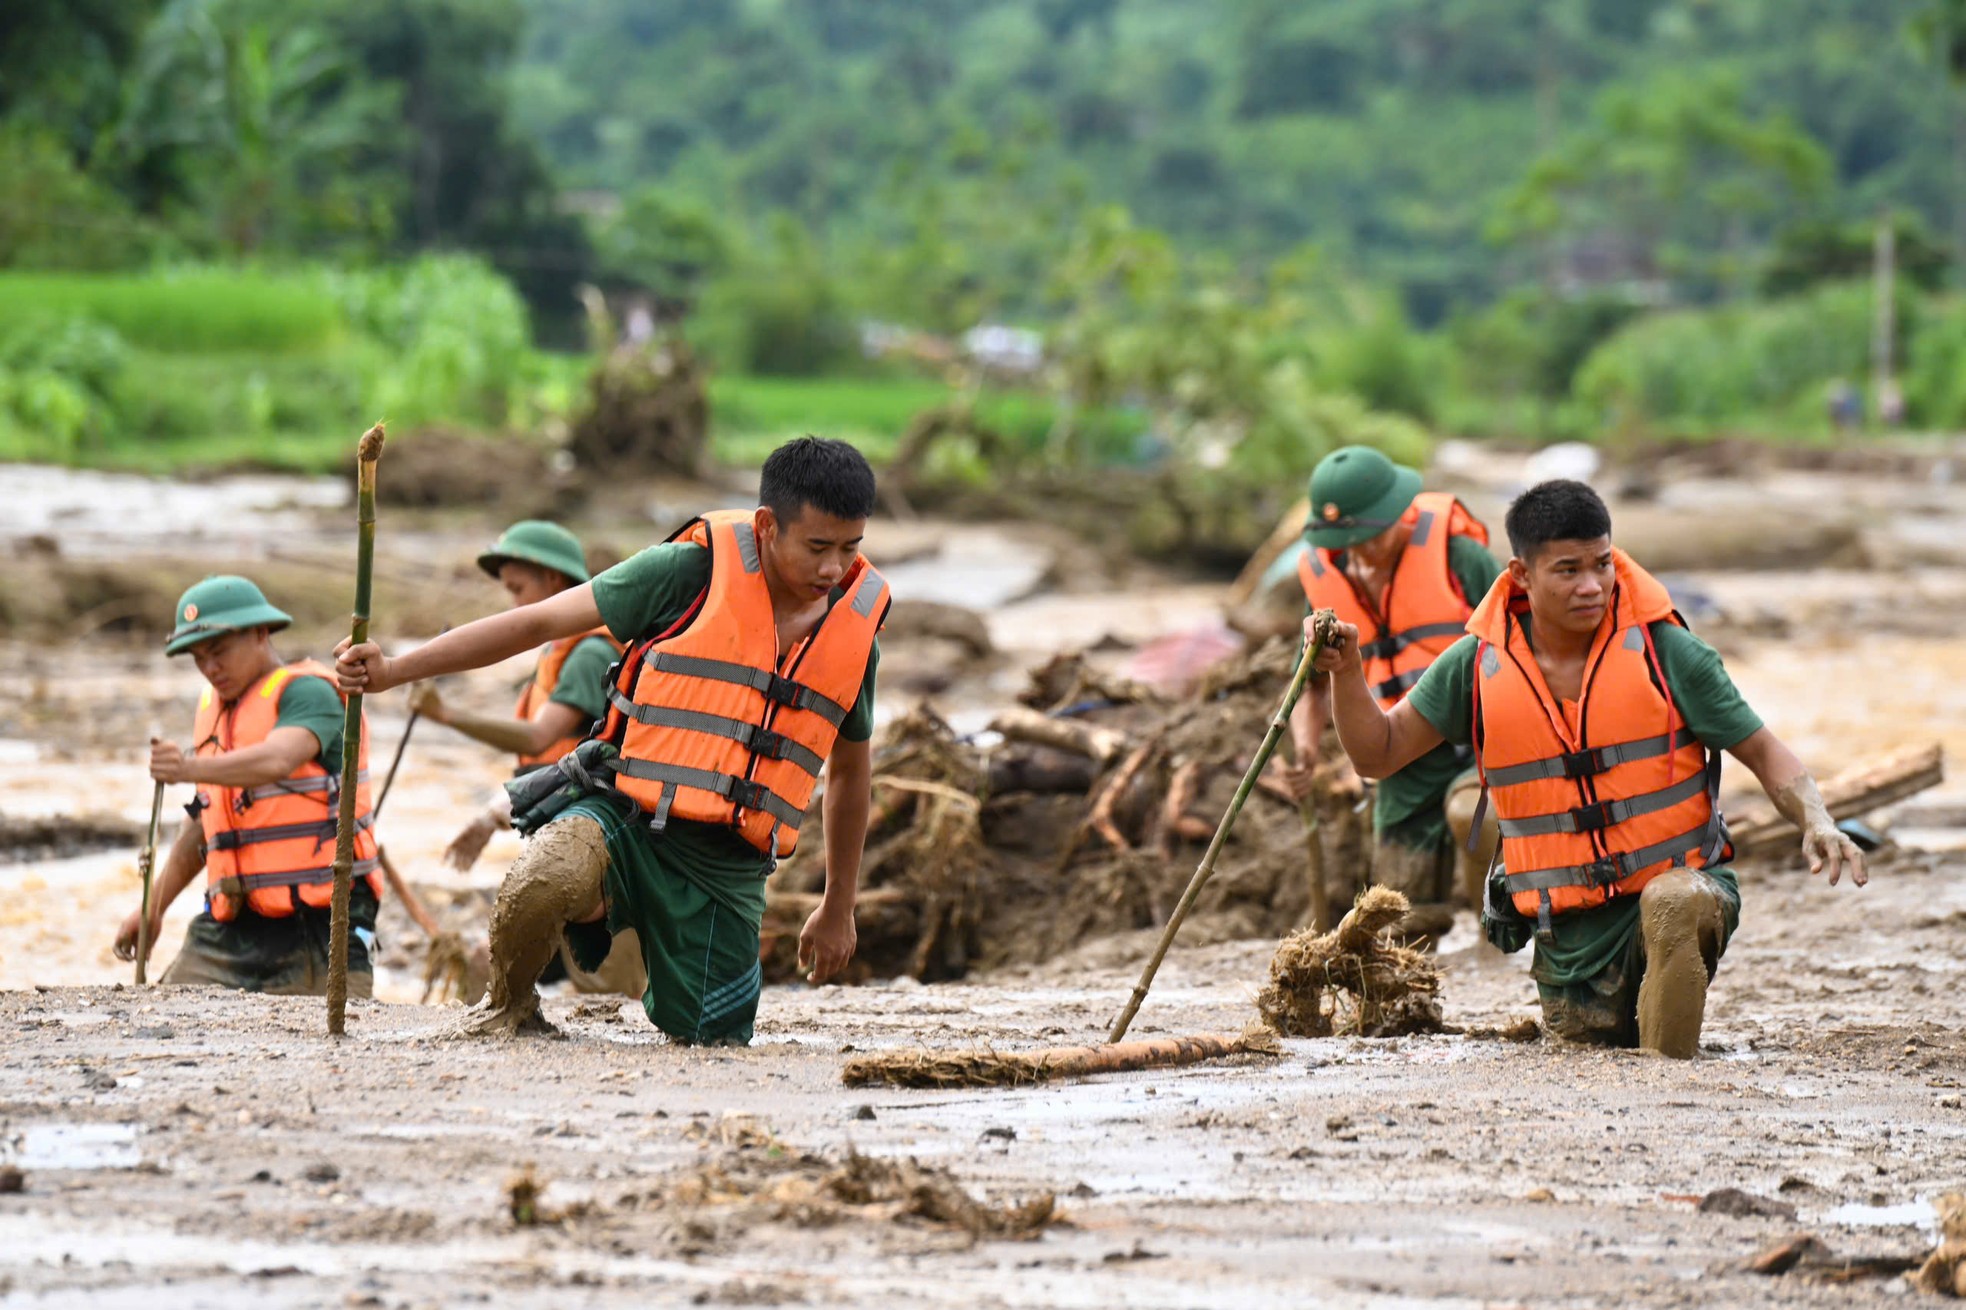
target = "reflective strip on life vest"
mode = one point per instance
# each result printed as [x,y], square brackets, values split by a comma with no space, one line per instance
[758,740]
[741,792]
[233,838]
[1393,643]
[1586,763]
[1613,869]
[1593,818]
[1398,685]
[239,883]
[775,687]
[330,782]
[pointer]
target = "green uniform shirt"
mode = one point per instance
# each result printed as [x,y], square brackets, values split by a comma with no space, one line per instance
[314,704]
[1588,942]
[1417,791]
[583,680]
[695,892]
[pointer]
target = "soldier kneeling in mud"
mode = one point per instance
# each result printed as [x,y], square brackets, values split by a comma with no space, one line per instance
[750,665]
[266,758]
[1597,721]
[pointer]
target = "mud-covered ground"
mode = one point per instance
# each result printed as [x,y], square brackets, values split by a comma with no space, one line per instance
[194,1148]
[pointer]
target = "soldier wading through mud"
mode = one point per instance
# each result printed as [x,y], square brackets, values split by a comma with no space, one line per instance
[1597,720]
[266,759]
[1404,566]
[750,664]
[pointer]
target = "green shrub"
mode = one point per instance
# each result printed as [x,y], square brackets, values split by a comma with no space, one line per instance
[454,336]
[1696,370]
[1935,366]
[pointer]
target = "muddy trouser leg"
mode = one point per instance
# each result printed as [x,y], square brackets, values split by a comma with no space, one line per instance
[1471,867]
[277,957]
[622,972]
[557,879]
[1421,874]
[1681,928]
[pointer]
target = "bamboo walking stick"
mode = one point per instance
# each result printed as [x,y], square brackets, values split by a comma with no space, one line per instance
[144,866]
[1322,622]
[367,453]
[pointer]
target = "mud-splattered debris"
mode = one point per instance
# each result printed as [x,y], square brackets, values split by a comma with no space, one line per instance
[321,1172]
[740,1292]
[1541,1196]
[1944,1271]
[522,1192]
[1806,1256]
[1734,1202]
[734,1129]
[1523,1028]
[865,1112]
[992,1068]
[1353,980]
[12,1181]
[750,1184]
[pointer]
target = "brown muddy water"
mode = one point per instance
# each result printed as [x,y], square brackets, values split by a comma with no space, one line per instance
[194,1148]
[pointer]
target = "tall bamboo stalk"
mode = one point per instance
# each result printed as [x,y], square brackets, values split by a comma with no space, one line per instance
[1322,624]
[144,866]
[367,453]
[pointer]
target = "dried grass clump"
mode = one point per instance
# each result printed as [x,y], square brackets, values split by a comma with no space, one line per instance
[1354,980]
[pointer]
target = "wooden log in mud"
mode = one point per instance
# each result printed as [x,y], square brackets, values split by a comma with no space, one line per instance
[988,1068]
[1869,784]
[1090,740]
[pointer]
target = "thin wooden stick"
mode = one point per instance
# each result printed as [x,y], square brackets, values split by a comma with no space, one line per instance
[1206,869]
[367,453]
[144,866]
[1314,864]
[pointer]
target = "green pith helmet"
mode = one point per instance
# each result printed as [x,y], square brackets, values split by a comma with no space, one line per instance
[1356,494]
[220,605]
[538,542]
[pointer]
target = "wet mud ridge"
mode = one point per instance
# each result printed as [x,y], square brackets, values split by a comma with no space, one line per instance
[33,840]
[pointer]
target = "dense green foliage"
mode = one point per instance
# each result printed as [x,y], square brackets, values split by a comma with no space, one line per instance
[1247,231]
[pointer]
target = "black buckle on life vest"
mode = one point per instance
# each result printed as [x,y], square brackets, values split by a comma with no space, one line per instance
[1580,764]
[1593,817]
[1604,873]
[785,692]
[769,745]
[748,795]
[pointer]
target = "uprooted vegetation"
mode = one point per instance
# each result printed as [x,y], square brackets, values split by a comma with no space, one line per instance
[1082,818]
[1354,980]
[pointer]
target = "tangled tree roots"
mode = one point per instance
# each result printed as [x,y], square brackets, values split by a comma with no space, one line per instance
[1353,980]
[647,409]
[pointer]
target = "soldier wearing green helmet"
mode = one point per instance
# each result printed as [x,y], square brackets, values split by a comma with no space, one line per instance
[534,560]
[1406,567]
[265,759]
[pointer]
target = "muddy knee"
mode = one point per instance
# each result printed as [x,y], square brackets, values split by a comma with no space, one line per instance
[555,881]
[1679,908]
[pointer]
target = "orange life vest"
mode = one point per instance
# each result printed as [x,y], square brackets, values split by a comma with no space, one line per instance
[274,844]
[1598,809]
[712,723]
[1424,611]
[545,677]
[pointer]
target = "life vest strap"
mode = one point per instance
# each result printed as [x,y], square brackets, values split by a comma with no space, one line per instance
[758,740]
[1613,869]
[1603,814]
[233,838]
[327,782]
[740,792]
[776,688]
[1398,685]
[1589,763]
[239,884]
[1384,648]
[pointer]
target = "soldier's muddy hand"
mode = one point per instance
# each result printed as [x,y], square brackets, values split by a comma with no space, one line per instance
[126,936]
[168,762]
[826,943]
[427,701]
[1340,648]
[362,668]
[1830,850]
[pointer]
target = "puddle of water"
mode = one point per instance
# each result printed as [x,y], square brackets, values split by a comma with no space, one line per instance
[1916,1213]
[981,568]
[98,513]
[72,1146]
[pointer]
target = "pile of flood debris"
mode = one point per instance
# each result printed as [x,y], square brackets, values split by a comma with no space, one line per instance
[1080,814]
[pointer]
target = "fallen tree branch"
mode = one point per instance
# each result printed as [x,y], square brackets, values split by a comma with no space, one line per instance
[1080,738]
[987,1068]
[1869,784]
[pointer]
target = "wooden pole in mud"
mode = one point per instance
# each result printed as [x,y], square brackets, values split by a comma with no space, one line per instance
[1314,866]
[1322,623]
[144,866]
[367,453]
